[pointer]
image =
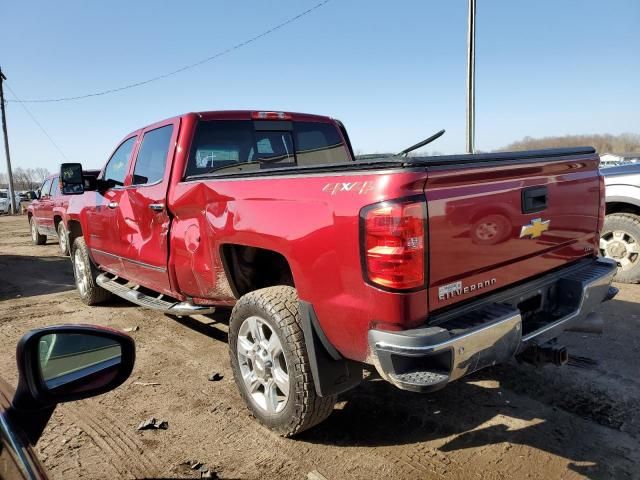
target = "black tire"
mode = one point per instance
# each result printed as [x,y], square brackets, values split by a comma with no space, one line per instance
[629,224]
[36,238]
[278,308]
[62,239]
[85,272]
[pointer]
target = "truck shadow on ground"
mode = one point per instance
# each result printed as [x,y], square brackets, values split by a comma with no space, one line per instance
[25,276]
[464,415]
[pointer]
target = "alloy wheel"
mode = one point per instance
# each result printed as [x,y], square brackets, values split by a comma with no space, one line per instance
[263,365]
[80,272]
[621,247]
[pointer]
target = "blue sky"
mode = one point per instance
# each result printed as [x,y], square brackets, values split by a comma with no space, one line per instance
[394,72]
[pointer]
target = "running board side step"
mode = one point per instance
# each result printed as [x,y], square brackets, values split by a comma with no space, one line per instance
[110,283]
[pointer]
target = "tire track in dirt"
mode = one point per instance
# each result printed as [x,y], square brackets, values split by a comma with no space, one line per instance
[120,447]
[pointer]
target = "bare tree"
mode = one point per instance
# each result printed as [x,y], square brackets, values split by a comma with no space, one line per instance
[29,178]
[603,143]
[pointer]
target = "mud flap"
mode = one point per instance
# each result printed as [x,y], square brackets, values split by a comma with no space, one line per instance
[332,373]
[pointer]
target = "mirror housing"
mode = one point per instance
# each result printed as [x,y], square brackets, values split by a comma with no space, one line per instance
[71,179]
[66,363]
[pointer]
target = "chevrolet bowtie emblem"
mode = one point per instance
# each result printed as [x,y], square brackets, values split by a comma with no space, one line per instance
[535,228]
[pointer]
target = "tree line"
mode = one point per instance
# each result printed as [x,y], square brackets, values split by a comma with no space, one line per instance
[603,143]
[25,178]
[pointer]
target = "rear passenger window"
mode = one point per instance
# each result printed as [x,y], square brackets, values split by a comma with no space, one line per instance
[152,156]
[116,168]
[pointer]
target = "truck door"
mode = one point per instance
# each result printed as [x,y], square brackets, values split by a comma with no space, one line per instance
[103,211]
[145,220]
[42,209]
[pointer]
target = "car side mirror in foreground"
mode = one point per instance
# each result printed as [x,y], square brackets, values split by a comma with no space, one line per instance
[71,179]
[65,363]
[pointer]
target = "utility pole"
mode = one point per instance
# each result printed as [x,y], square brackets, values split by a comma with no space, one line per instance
[471,77]
[12,197]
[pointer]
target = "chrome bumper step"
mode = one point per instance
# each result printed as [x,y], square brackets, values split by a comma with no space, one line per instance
[113,284]
[493,329]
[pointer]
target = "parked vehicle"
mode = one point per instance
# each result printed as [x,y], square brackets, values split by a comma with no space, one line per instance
[333,264]
[5,203]
[621,233]
[55,364]
[46,213]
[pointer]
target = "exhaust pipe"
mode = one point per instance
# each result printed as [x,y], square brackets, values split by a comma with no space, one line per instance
[547,353]
[593,323]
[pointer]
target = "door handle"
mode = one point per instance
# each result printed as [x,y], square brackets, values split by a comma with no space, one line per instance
[113,205]
[156,207]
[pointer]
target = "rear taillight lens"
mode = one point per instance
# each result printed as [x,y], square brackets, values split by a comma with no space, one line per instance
[393,245]
[603,205]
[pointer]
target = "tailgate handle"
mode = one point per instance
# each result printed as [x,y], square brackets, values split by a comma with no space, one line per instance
[534,199]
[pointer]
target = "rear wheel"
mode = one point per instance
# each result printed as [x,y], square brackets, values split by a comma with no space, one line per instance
[85,273]
[62,239]
[270,362]
[36,238]
[620,241]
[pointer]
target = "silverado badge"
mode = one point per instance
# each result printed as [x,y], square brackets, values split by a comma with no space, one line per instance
[535,228]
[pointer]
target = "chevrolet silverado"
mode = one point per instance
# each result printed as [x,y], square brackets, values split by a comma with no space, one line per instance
[424,268]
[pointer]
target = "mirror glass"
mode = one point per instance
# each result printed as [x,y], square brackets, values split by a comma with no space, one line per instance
[71,178]
[72,363]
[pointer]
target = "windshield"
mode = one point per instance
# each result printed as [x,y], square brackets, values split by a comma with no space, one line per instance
[263,144]
[4,195]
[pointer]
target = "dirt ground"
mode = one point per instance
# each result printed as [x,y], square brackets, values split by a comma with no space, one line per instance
[512,421]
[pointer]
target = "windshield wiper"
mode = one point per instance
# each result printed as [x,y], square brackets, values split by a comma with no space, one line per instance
[433,137]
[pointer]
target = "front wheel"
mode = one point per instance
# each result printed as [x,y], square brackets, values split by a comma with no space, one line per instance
[62,239]
[270,362]
[620,241]
[85,273]
[36,238]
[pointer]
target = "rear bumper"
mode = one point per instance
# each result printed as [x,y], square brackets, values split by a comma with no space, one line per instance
[491,330]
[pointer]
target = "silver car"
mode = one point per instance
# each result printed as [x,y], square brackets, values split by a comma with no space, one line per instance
[621,233]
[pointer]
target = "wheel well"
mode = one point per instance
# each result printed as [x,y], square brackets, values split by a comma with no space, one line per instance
[74,230]
[621,207]
[251,268]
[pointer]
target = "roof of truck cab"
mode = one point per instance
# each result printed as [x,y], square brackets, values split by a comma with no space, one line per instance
[234,115]
[247,115]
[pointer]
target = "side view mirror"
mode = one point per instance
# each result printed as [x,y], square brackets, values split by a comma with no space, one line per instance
[38,193]
[66,363]
[71,179]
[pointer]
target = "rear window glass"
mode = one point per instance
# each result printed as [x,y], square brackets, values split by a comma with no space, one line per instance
[230,143]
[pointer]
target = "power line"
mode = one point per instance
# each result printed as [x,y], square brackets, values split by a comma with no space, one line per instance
[186,67]
[35,120]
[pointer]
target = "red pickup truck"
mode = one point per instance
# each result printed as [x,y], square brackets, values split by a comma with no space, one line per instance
[426,269]
[46,212]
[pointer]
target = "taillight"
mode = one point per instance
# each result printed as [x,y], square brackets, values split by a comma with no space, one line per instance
[603,205]
[270,116]
[393,244]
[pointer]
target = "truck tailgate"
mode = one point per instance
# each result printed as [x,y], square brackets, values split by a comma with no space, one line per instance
[495,223]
